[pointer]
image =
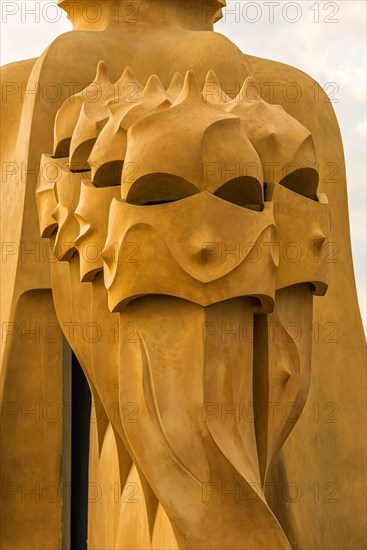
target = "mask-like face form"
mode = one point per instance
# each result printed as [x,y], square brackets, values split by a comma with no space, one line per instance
[91,214]
[192,195]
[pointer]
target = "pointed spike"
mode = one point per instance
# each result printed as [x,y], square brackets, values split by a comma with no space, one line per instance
[176,85]
[211,77]
[285,375]
[213,91]
[153,85]
[250,91]
[101,67]
[128,76]
[318,237]
[101,74]
[190,88]
[127,86]
[191,82]
[249,81]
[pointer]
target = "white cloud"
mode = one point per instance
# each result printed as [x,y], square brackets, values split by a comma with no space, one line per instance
[361,129]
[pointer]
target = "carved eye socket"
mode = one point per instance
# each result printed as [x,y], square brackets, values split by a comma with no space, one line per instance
[244,191]
[163,188]
[62,148]
[159,188]
[79,157]
[303,181]
[108,174]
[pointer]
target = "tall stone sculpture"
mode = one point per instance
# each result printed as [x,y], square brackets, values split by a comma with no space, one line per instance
[196,218]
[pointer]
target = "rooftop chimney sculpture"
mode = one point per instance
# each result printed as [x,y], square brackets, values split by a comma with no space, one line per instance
[187,231]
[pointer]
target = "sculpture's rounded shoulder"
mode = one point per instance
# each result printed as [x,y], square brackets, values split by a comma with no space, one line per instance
[14,78]
[205,50]
[17,68]
[13,75]
[299,93]
[221,46]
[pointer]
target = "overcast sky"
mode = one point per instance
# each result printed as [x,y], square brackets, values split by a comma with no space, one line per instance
[325,39]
